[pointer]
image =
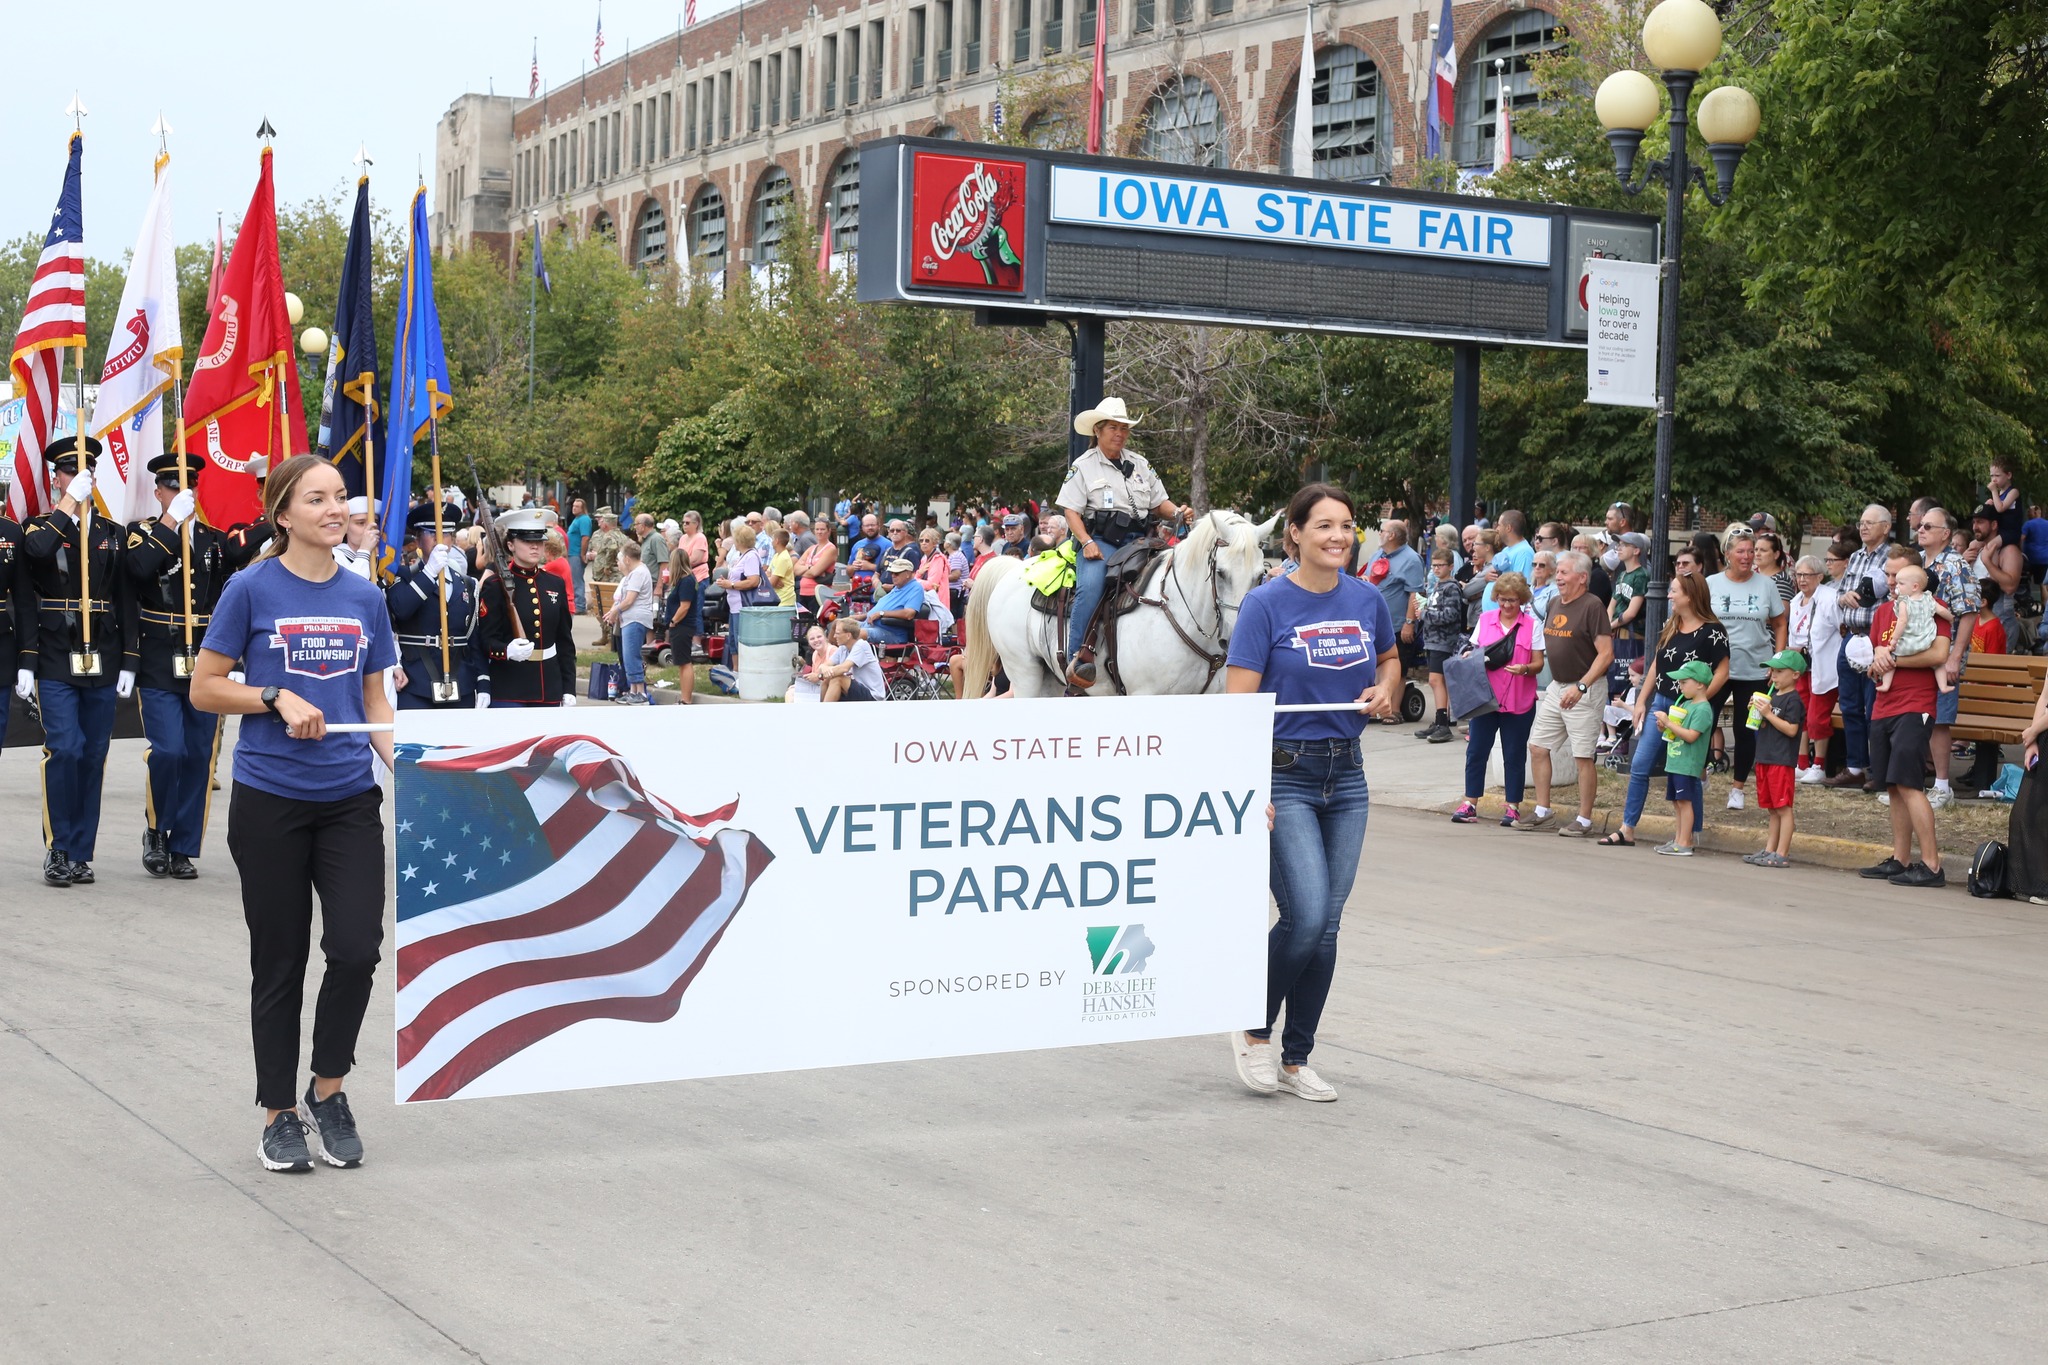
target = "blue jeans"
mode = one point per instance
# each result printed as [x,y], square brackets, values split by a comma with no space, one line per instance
[1643,762]
[1514,752]
[1319,807]
[576,567]
[1088,578]
[1858,694]
[78,724]
[633,635]
[179,766]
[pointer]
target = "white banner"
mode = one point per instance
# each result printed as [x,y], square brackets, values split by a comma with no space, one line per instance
[1621,332]
[128,415]
[1356,220]
[607,896]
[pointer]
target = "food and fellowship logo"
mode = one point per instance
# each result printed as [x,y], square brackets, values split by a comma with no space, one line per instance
[1118,987]
[967,222]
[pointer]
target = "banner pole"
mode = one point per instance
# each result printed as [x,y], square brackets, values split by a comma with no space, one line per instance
[185,529]
[441,579]
[85,512]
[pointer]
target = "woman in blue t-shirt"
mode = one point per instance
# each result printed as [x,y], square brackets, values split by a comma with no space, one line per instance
[1316,635]
[305,814]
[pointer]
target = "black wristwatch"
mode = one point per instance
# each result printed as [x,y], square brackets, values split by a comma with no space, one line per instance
[1584,688]
[270,698]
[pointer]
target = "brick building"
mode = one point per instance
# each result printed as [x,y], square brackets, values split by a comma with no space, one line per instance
[697,145]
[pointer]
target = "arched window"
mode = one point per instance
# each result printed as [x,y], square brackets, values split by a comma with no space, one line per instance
[707,231]
[771,202]
[946,131]
[1053,130]
[1183,125]
[650,235]
[842,203]
[601,226]
[1348,111]
[1515,38]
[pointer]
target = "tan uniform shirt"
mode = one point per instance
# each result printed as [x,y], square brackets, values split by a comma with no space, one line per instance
[1095,484]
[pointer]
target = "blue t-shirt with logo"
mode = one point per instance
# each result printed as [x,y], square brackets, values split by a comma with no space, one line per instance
[316,641]
[1313,647]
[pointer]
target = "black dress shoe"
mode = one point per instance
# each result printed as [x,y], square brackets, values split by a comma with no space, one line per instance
[155,859]
[56,868]
[81,874]
[182,869]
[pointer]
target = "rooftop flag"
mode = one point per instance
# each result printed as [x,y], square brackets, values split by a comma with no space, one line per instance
[1443,85]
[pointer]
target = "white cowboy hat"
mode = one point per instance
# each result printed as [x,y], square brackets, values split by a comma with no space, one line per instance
[1108,410]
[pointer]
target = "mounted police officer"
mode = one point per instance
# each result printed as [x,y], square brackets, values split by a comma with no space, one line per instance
[525,632]
[1110,496]
[85,657]
[440,670]
[174,606]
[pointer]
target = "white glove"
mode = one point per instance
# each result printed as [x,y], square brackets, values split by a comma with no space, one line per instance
[79,490]
[444,558]
[25,684]
[519,651]
[181,508]
[238,677]
[483,701]
[568,699]
[124,685]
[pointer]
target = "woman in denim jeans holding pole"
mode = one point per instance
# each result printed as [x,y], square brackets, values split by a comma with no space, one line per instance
[1691,631]
[1316,635]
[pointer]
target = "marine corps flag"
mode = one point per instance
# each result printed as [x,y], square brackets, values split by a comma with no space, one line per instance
[349,408]
[419,373]
[243,402]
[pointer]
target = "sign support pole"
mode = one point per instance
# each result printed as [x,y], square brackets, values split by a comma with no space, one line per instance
[1464,431]
[1090,340]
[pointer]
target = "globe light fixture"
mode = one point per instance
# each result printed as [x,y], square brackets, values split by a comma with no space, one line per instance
[1729,119]
[1627,103]
[313,341]
[293,309]
[1682,35]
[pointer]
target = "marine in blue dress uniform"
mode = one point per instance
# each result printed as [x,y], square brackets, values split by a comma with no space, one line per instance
[415,596]
[183,741]
[85,657]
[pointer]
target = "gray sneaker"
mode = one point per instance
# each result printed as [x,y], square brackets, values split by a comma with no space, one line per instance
[1535,821]
[334,1129]
[283,1145]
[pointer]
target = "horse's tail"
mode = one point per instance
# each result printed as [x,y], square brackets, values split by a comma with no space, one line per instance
[980,663]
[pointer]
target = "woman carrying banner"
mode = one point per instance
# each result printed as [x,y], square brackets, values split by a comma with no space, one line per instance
[305,814]
[1317,635]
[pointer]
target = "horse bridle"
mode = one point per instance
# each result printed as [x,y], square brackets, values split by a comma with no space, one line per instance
[1214,658]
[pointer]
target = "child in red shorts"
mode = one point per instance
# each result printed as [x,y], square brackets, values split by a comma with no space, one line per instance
[1778,722]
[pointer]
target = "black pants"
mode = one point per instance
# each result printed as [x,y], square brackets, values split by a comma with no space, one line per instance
[285,850]
[1739,692]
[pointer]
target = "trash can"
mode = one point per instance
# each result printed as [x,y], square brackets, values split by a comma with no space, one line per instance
[764,626]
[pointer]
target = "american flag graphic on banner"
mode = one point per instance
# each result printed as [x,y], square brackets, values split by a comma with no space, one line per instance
[539,885]
[52,322]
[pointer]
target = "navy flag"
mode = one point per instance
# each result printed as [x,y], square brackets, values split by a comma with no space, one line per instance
[349,411]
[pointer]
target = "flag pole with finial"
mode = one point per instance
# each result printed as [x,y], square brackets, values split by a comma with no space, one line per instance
[182,666]
[280,381]
[86,662]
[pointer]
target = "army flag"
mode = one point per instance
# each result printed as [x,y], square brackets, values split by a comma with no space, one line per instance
[350,415]
[136,381]
[419,373]
[243,402]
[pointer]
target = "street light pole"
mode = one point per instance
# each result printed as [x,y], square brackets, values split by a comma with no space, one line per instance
[1681,37]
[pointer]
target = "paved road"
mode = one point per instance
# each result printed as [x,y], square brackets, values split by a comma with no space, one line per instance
[1732,1118]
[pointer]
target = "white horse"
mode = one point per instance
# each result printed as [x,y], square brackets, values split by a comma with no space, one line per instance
[1172,644]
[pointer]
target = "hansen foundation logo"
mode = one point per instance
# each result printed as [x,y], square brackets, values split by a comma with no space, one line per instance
[1118,987]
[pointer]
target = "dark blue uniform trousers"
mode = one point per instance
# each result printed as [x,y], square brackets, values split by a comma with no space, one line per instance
[180,762]
[78,724]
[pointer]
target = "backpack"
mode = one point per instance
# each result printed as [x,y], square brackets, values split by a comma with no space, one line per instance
[1987,870]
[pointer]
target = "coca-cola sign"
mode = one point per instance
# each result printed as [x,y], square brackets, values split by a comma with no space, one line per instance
[967,223]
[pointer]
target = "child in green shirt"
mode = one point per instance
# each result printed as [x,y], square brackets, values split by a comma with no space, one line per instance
[1685,728]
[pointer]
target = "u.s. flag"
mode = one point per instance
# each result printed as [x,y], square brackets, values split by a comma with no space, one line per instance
[52,322]
[539,885]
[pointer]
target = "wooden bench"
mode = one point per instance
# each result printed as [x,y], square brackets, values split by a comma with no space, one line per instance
[603,592]
[1998,696]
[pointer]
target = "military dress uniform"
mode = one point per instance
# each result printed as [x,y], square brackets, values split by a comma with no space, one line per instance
[77,705]
[17,613]
[525,632]
[183,740]
[413,597]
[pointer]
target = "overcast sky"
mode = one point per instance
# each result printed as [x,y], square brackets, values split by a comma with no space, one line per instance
[378,73]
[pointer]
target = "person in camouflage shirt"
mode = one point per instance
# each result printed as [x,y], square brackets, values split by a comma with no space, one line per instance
[601,560]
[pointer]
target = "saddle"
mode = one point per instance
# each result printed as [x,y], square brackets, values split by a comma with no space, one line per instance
[1127,573]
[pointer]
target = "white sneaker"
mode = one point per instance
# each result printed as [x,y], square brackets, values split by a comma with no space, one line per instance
[1305,1083]
[1813,776]
[1884,798]
[1735,798]
[1256,1066]
[1940,799]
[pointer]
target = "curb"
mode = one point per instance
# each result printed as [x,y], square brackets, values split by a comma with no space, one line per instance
[1816,850]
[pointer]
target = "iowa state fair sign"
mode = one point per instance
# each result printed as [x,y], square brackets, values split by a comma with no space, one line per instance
[1221,208]
[597,897]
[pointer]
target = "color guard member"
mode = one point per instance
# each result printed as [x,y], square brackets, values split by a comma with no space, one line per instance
[524,631]
[415,596]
